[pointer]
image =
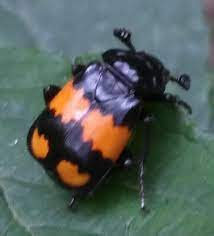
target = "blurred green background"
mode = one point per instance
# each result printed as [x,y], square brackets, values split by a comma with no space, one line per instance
[175,31]
[38,41]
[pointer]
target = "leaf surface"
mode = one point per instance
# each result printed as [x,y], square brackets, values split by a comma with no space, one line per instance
[179,186]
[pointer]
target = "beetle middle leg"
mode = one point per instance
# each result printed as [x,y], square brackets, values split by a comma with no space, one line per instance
[99,182]
[167,97]
[73,202]
[170,98]
[147,119]
[126,159]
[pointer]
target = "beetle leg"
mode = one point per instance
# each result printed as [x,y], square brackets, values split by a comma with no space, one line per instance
[124,36]
[144,155]
[126,159]
[73,202]
[147,121]
[100,181]
[50,92]
[170,98]
[77,68]
[142,202]
[176,100]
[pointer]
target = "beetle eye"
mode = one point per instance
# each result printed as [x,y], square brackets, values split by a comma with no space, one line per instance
[165,75]
[165,72]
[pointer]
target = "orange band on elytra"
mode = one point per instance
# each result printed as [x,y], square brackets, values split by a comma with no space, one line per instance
[69,103]
[39,145]
[69,174]
[107,138]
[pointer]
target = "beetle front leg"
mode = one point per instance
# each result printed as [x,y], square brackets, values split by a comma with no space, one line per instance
[177,101]
[77,69]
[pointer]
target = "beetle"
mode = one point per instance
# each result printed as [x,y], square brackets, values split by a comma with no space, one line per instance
[83,132]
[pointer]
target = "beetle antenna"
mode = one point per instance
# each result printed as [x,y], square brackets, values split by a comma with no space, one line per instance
[124,36]
[184,81]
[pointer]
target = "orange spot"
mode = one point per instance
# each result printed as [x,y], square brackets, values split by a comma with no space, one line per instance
[69,174]
[105,137]
[69,103]
[39,145]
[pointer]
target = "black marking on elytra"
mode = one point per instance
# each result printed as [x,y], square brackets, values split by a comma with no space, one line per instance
[65,143]
[50,92]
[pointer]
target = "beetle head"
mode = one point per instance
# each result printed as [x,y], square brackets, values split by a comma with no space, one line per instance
[154,76]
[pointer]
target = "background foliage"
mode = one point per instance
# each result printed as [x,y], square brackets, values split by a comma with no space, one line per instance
[179,174]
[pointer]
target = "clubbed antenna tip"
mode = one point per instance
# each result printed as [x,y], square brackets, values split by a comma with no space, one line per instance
[184,81]
[124,36]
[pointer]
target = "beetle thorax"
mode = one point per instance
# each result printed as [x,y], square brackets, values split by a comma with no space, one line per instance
[128,71]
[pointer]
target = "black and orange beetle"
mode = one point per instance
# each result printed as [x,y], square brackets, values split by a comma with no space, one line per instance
[86,125]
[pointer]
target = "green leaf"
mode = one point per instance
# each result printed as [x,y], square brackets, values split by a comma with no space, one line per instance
[87,58]
[174,31]
[179,174]
[211,102]
[9,225]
